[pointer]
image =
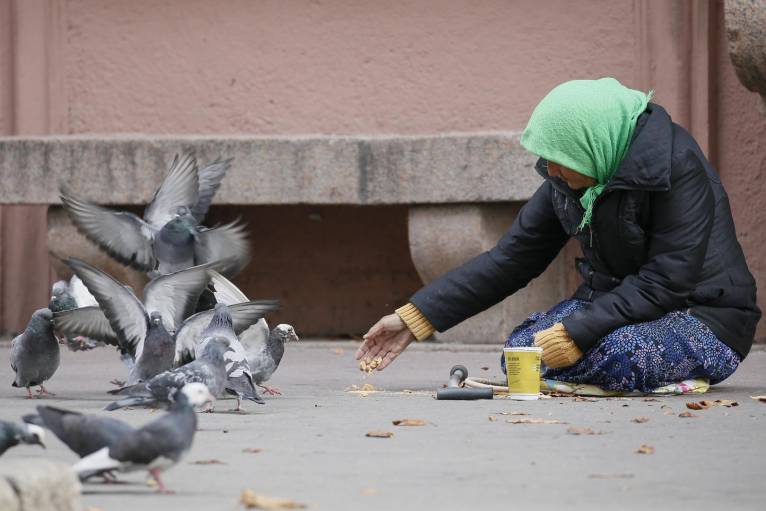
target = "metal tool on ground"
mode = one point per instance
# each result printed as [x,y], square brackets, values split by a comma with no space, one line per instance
[455,391]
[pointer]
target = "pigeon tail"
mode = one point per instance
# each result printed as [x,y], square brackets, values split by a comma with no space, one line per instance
[95,464]
[33,418]
[130,401]
[131,390]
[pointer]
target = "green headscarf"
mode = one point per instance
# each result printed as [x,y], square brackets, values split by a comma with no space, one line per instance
[586,125]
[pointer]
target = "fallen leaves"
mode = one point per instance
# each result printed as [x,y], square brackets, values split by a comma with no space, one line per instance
[645,449]
[492,418]
[252,500]
[379,434]
[583,431]
[535,421]
[705,404]
[641,420]
[208,462]
[762,399]
[252,450]
[688,415]
[409,422]
[485,368]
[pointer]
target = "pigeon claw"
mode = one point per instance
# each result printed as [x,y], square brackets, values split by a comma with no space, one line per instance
[161,487]
[272,391]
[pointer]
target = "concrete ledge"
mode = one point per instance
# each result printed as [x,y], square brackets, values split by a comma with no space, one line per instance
[359,170]
[38,485]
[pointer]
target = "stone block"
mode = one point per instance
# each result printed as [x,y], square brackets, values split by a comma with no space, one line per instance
[38,485]
[746,30]
[444,237]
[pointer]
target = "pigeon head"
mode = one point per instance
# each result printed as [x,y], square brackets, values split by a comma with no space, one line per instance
[285,333]
[195,394]
[33,435]
[42,317]
[156,318]
[59,288]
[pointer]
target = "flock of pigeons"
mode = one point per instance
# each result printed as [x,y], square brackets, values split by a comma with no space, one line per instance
[192,338]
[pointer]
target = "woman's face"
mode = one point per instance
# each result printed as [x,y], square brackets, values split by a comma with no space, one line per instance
[574,180]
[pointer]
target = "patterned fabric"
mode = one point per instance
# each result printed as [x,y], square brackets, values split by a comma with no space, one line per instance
[640,357]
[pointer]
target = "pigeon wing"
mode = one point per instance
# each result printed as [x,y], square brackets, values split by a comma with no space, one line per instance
[224,243]
[122,235]
[225,291]
[209,181]
[180,188]
[175,295]
[242,314]
[84,434]
[125,312]
[81,295]
[87,322]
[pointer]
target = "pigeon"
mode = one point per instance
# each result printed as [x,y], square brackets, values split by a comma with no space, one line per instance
[140,330]
[264,349]
[156,446]
[169,238]
[35,353]
[12,434]
[83,434]
[209,368]
[239,377]
[64,296]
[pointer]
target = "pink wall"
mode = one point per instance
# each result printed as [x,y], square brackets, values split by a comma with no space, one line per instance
[363,66]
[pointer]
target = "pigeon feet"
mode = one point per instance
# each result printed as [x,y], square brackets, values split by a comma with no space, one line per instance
[42,391]
[162,489]
[29,393]
[238,408]
[272,391]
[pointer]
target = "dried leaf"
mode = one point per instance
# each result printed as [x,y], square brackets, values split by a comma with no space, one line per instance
[641,420]
[252,450]
[535,421]
[762,399]
[208,462]
[695,406]
[583,431]
[492,418]
[728,403]
[556,393]
[645,449]
[409,422]
[379,434]
[688,415]
[583,398]
[485,368]
[252,500]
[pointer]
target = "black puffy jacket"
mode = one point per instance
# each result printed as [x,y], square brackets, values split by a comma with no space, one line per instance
[661,239]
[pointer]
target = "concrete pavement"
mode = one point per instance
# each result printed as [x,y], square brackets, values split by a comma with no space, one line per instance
[314,448]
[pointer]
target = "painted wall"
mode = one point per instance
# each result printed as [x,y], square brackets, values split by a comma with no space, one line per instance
[346,66]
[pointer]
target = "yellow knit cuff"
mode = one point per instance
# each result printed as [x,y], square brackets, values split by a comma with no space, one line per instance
[420,327]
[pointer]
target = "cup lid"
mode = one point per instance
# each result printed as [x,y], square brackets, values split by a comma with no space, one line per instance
[524,348]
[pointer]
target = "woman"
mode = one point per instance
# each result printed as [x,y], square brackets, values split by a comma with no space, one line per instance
[666,292]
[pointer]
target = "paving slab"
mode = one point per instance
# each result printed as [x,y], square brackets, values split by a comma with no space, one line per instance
[314,449]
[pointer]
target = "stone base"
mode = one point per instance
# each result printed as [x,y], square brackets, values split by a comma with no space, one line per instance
[444,237]
[39,485]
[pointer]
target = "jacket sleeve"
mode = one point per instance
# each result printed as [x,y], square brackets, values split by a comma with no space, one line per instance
[529,246]
[681,223]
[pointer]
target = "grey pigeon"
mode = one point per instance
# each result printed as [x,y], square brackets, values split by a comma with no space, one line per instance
[155,447]
[35,353]
[209,368]
[12,434]
[83,434]
[64,296]
[141,329]
[264,349]
[239,377]
[169,238]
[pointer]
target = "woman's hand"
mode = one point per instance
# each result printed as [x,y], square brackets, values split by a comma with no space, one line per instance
[386,339]
[559,350]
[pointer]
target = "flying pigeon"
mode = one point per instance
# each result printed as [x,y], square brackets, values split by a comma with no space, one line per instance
[12,434]
[264,349]
[35,353]
[68,296]
[141,330]
[209,368]
[155,447]
[169,238]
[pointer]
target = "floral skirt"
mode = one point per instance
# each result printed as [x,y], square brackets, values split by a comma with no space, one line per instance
[640,357]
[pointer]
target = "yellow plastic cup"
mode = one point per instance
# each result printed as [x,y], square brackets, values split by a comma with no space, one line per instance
[522,367]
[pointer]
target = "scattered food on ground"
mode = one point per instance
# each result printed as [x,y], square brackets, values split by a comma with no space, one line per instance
[379,434]
[704,404]
[762,399]
[370,366]
[687,415]
[339,351]
[409,422]
[535,421]
[572,430]
[641,420]
[583,398]
[492,418]
[645,449]
[252,500]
